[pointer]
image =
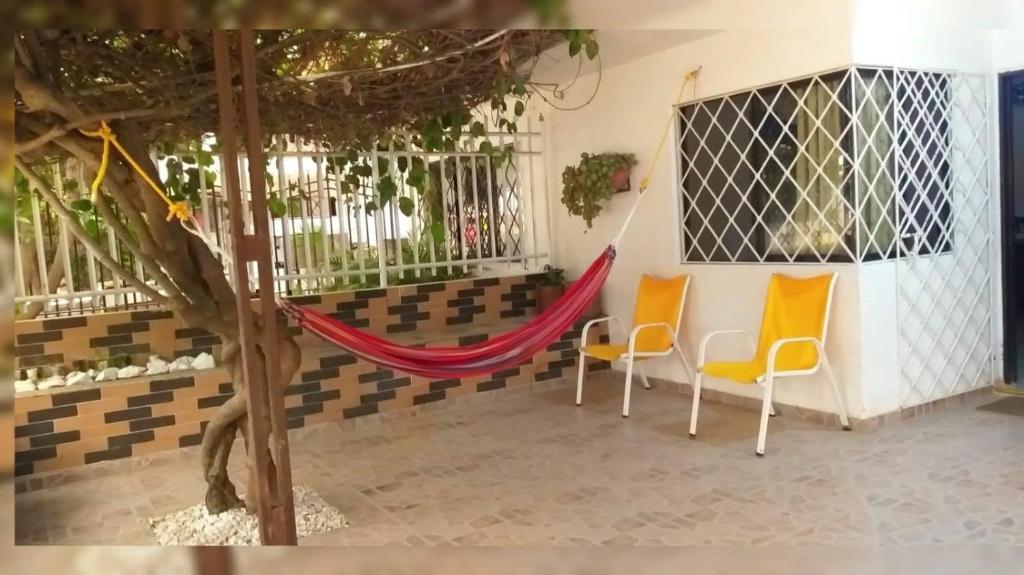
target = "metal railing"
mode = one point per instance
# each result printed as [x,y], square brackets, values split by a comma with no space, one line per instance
[450,214]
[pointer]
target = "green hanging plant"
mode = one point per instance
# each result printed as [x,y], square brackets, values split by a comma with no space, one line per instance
[587,186]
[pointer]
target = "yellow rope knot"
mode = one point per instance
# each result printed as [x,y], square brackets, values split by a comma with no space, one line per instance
[174,209]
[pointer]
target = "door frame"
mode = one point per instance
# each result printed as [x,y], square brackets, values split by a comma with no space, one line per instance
[1008,225]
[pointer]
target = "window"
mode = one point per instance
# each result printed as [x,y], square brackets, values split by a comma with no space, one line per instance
[816,169]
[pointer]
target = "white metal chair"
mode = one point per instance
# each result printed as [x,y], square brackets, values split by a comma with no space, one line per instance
[656,318]
[794,329]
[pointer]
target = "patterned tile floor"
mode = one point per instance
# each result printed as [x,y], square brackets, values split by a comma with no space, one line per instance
[533,469]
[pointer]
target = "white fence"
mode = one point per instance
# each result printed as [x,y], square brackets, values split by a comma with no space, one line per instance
[450,214]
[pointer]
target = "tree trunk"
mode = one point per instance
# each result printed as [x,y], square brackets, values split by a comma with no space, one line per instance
[231,418]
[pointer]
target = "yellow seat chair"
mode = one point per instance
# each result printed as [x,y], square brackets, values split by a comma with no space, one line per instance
[794,328]
[656,319]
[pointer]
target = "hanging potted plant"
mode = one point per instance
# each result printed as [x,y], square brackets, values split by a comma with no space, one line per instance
[550,288]
[587,186]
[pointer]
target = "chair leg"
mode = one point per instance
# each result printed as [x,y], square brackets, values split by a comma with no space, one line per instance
[771,409]
[766,406]
[840,404]
[629,385]
[696,404]
[579,379]
[643,376]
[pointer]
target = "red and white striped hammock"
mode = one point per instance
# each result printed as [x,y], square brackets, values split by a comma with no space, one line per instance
[500,352]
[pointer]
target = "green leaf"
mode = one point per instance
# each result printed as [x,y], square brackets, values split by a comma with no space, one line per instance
[371,206]
[478,130]
[574,47]
[405,205]
[486,147]
[592,49]
[189,159]
[403,163]
[387,188]
[204,158]
[82,205]
[276,207]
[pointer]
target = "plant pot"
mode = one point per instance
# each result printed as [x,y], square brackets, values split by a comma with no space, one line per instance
[620,179]
[547,295]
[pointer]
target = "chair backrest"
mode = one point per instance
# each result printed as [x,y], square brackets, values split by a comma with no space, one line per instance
[658,301]
[795,307]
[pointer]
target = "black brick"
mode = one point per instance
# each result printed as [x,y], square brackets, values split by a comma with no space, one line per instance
[213,400]
[24,468]
[561,363]
[472,310]
[319,374]
[443,384]
[522,287]
[321,396]
[514,296]
[377,397]
[31,429]
[599,365]
[54,438]
[128,414]
[427,397]
[490,385]
[52,413]
[401,327]
[129,439]
[226,387]
[524,304]
[151,423]
[132,349]
[64,323]
[302,388]
[546,375]
[406,308]
[38,360]
[151,398]
[459,302]
[511,372]
[192,352]
[459,319]
[305,300]
[109,454]
[295,423]
[169,384]
[415,316]
[471,339]
[344,315]
[109,340]
[190,440]
[300,410]
[187,332]
[371,293]
[338,360]
[130,327]
[560,345]
[359,410]
[206,341]
[28,350]
[364,322]
[414,299]
[40,337]
[377,375]
[471,292]
[71,397]
[38,454]
[484,282]
[393,383]
[146,315]
[352,305]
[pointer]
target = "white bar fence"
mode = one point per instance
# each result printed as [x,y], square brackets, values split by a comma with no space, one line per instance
[473,215]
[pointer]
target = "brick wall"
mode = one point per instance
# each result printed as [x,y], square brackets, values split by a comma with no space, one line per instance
[125,418]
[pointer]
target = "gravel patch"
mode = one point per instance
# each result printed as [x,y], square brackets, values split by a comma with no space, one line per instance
[194,526]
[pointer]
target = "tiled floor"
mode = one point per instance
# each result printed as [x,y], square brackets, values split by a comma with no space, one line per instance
[535,469]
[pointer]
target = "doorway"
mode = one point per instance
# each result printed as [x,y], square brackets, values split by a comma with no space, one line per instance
[1011,128]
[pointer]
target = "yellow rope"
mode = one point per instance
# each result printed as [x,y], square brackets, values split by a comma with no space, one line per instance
[174,209]
[691,76]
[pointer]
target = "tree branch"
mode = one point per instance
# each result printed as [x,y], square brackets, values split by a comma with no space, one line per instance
[83,236]
[57,131]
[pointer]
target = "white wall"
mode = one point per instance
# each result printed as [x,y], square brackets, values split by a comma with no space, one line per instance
[627,115]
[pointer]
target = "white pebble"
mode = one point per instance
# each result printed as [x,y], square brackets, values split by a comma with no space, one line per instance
[78,378]
[181,364]
[156,366]
[32,374]
[129,371]
[194,526]
[23,386]
[107,374]
[51,382]
[203,361]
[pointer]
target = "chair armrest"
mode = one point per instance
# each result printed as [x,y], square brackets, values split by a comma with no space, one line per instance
[774,349]
[702,353]
[638,328]
[610,319]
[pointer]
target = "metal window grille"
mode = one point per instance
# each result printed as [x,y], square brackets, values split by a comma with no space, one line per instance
[476,217]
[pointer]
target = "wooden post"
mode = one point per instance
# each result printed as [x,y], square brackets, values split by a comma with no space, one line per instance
[270,486]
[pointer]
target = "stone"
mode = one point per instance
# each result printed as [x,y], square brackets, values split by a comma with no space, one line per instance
[203,361]
[108,374]
[24,386]
[156,366]
[51,382]
[181,364]
[32,374]
[194,526]
[129,371]
[77,378]
[92,373]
